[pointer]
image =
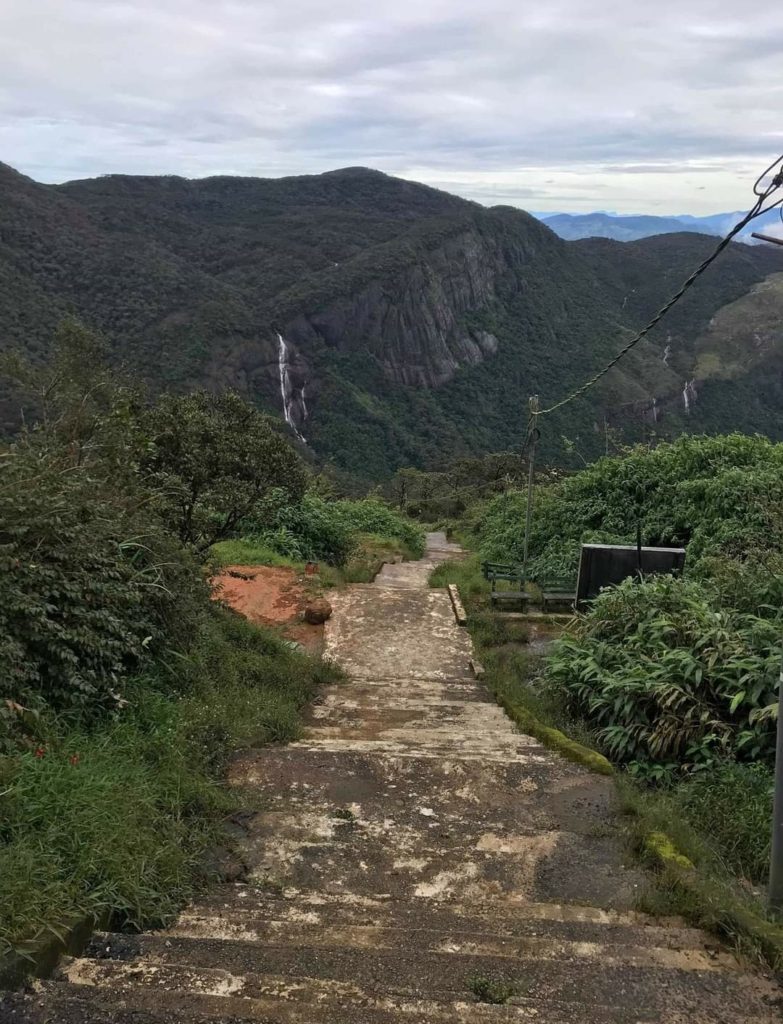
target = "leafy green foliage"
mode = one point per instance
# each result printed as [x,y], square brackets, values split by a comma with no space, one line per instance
[315,529]
[668,680]
[92,582]
[713,494]
[124,689]
[91,586]
[493,989]
[215,459]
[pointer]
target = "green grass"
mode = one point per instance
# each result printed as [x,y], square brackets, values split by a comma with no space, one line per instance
[114,821]
[710,803]
[369,554]
[466,573]
[247,551]
[694,881]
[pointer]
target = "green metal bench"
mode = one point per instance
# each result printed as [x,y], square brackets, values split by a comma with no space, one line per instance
[558,590]
[496,572]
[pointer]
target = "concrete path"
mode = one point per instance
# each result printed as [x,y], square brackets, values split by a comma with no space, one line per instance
[415,850]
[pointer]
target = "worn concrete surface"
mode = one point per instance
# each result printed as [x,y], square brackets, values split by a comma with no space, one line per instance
[413,840]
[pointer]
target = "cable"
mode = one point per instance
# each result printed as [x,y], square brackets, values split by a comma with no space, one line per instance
[756,210]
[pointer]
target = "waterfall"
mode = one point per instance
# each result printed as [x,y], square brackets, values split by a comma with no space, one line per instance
[285,385]
[689,394]
[666,353]
[655,410]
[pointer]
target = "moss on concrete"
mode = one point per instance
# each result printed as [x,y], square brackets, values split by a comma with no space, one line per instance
[553,738]
[659,848]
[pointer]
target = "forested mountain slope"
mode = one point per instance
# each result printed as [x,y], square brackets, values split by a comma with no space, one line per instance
[400,323]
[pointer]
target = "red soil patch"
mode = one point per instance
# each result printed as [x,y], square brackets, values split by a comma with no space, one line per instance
[269,596]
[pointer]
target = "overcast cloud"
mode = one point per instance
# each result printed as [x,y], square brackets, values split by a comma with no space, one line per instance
[664,107]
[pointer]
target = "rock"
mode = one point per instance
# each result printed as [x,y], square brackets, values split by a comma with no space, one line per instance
[223,865]
[317,611]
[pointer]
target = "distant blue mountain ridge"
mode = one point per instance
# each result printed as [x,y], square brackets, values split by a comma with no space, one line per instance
[627,228]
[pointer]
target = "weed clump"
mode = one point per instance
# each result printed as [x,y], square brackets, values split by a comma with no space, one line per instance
[492,989]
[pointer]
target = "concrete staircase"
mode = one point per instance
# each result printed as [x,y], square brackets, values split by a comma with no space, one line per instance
[412,853]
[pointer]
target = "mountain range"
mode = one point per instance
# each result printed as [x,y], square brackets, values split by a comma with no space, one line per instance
[389,323]
[624,228]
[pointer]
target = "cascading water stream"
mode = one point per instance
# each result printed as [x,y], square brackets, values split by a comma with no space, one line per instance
[285,385]
[688,394]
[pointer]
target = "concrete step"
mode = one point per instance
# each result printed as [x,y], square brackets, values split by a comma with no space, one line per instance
[516,750]
[453,723]
[314,919]
[507,914]
[358,978]
[410,693]
[119,999]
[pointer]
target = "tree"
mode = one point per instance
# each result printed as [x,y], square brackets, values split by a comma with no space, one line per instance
[215,458]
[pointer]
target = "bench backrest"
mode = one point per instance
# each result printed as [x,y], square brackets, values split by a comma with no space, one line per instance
[501,571]
[564,583]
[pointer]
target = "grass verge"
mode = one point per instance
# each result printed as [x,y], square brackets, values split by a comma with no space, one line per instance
[693,879]
[114,822]
[367,556]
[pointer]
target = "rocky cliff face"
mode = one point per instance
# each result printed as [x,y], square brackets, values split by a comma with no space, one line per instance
[413,324]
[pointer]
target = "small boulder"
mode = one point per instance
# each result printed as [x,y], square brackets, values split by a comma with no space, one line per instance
[317,611]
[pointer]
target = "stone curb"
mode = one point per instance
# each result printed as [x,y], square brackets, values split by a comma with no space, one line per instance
[456,604]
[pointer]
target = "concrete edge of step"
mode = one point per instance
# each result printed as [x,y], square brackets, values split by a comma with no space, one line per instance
[456,604]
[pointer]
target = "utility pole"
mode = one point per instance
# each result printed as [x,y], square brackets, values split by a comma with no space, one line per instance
[533,435]
[776,855]
[766,238]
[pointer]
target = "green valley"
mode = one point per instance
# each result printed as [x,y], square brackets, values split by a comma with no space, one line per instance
[394,324]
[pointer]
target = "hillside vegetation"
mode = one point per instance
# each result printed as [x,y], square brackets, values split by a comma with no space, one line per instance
[674,679]
[416,323]
[124,688]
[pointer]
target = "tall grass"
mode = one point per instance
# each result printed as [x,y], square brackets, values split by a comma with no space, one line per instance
[116,820]
[466,573]
[250,551]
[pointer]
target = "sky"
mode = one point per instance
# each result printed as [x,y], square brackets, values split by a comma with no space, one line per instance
[558,105]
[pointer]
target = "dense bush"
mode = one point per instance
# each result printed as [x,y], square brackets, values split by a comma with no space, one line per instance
[373,516]
[214,459]
[713,494]
[90,585]
[315,529]
[668,680]
[123,689]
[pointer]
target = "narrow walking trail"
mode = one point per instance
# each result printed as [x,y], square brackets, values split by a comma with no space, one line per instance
[415,850]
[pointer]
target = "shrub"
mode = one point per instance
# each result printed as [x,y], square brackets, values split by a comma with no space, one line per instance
[90,584]
[116,819]
[215,458]
[713,494]
[318,530]
[374,516]
[669,680]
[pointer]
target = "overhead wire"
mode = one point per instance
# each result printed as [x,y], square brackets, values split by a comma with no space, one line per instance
[762,193]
